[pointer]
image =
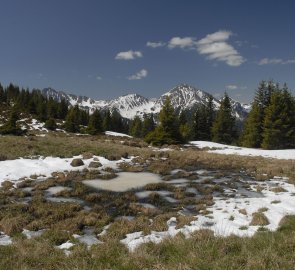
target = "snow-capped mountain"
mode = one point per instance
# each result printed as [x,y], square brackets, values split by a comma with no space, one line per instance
[183,97]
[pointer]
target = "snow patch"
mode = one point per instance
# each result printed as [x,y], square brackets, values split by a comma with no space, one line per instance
[243,151]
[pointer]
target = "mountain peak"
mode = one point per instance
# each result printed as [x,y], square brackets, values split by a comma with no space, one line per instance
[183,97]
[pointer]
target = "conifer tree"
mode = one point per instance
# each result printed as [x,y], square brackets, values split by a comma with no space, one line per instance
[95,123]
[107,121]
[117,122]
[136,127]
[2,94]
[148,124]
[253,128]
[167,132]
[203,120]
[62,109]
[252,132]
[279,121]
[11,127]
[50,124]
[184,127]
[72,123]
[224,129]
[51,108]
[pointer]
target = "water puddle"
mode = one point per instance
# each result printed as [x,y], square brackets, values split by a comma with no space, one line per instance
[125,181]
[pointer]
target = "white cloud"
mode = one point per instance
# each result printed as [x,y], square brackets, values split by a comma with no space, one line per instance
[235,87]
[139,75]
[232,87]
[216,47]
[155,44]
[186,42]
[98,78]
[275,61]
[129,55]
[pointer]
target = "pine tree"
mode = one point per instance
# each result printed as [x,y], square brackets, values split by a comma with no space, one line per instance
[203,120]
[2,94]
[62,109]
[210,117]
[107,121]
[279,121]
[184,127]
[253,129]
[50,124]
[135,129]
[52,107]
[95,123]
[148,124]
[11,126]
[117,122]
[167,132]
[252,133]
[72,123]
[224,129]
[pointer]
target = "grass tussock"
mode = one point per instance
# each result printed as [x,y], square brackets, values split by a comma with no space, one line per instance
[265,251]
[259,219]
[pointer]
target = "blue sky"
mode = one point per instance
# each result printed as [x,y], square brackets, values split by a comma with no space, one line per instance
[107,48]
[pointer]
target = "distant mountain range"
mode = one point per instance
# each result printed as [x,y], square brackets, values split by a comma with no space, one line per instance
[183,97]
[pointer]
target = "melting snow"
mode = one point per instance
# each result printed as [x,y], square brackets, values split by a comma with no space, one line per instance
[226,218]
[243,151]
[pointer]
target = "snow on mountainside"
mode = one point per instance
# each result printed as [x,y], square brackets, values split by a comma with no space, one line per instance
[183,97]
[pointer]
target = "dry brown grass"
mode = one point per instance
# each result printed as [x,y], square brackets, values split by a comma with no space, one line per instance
[259,219]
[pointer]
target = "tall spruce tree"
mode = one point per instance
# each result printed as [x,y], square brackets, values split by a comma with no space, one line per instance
[62,109]
[184,127]
[224,128]
[11,127]
[279,121]
[107,121]
[253,128]
[95,123]
[167,132]
[203,120]
[148,124]
[136,127]
[72,123]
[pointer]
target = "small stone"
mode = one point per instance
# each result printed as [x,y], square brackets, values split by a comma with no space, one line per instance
[125,155]
[76,162]
[94,164]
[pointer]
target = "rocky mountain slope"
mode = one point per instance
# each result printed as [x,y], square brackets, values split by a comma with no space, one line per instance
[183,97]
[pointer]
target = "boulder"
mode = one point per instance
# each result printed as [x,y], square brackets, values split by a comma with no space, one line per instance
[94,164]
[76,162]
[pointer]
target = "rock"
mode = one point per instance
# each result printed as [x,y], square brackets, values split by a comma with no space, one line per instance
[94,164]
[76,162]
[125,155]
[87,155]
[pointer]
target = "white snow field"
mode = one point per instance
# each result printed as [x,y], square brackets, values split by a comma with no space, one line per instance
[226,218]
[243,151]
[13,170]
[116,134]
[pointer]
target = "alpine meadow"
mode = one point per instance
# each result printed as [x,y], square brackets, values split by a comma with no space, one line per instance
[102,167]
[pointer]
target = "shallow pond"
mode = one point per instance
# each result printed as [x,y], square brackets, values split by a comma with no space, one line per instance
[125,181]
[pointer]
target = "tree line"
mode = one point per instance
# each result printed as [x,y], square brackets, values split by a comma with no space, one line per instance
[270,123]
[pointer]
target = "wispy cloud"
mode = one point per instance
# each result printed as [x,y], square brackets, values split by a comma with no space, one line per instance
[98,78]
[183,43]
[275,61]
[231,87]
[216,47]
[139,75]
[155,44]
[235,87]
[128,55]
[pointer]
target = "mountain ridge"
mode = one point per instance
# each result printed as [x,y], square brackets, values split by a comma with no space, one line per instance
[183,97]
